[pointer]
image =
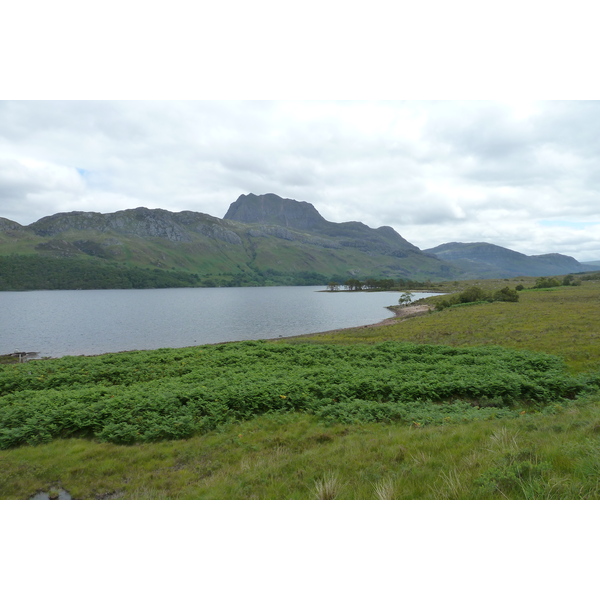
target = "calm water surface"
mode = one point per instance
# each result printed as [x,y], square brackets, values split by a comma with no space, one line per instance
[58,323]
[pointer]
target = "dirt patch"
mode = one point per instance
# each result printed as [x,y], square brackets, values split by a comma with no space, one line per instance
[401,314]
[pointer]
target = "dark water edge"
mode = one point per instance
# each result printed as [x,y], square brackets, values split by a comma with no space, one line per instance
[54,494]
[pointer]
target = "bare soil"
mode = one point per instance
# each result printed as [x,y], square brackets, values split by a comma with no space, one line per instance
[401,314]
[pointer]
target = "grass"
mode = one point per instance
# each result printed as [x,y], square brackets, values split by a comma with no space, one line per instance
[543,452]
[328,487]
[563,321]
[8,359]
[554,454]
[385,489]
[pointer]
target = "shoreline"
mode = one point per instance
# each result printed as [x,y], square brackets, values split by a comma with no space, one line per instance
[401,314]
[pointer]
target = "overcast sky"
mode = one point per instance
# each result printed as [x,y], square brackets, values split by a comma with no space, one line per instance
[518,173]
[524,175]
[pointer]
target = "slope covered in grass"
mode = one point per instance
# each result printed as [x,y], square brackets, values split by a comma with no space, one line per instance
[563,321]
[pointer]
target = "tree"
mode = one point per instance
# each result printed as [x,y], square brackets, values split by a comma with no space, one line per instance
[353,285]
[405,299]
[385,284]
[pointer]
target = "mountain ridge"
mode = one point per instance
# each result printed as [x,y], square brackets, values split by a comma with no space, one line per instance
[227,251]
[484,260]
[263,240]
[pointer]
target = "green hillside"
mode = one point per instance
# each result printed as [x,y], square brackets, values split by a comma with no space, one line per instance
[205,250]
[263,240]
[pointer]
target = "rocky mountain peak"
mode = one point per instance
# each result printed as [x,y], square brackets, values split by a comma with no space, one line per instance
[270,209]
[8,225]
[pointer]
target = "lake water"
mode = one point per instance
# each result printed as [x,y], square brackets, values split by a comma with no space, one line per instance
[72,322]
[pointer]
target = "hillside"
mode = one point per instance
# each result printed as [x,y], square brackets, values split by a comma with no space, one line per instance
[262,240]
[287,243]
[482,260]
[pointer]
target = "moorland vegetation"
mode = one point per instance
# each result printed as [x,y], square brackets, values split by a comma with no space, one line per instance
[479,400]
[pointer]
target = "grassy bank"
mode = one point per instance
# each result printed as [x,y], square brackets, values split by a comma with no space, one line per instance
[564,321]
[300,419]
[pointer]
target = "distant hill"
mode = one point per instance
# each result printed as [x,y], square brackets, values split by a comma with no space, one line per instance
[480,260]
[264,240]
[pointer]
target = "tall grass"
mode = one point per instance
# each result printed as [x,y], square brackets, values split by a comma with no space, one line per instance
[564,321]
[551,454]
[328,487]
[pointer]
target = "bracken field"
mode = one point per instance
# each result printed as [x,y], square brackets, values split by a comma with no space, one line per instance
[486,400]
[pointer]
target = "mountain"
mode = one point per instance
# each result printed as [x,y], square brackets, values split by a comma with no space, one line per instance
[263,240]
[7,225]
[593,264]
[480,260]
[270,209]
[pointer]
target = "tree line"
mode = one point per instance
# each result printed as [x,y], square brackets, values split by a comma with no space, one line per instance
[477,294]
[355,285]
[20,272]
[34,272]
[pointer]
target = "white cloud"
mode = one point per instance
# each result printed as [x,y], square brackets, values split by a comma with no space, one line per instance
[435,171]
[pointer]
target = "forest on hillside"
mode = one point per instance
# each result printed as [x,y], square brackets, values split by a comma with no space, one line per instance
[34,272]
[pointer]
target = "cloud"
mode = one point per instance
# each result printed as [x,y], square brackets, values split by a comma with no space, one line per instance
[435,171]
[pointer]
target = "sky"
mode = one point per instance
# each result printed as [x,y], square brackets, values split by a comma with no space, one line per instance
[519,174]
[429,118]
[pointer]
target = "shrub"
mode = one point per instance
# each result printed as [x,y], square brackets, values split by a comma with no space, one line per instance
[173,394]
[506,295]
[476,294]
[546,282]
[473,294]
[568,280]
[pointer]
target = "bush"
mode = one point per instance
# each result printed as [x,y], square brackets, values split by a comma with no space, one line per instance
[506,295]
[476,294]
[568,280]
[141,397]
[546,282]
[473,294]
